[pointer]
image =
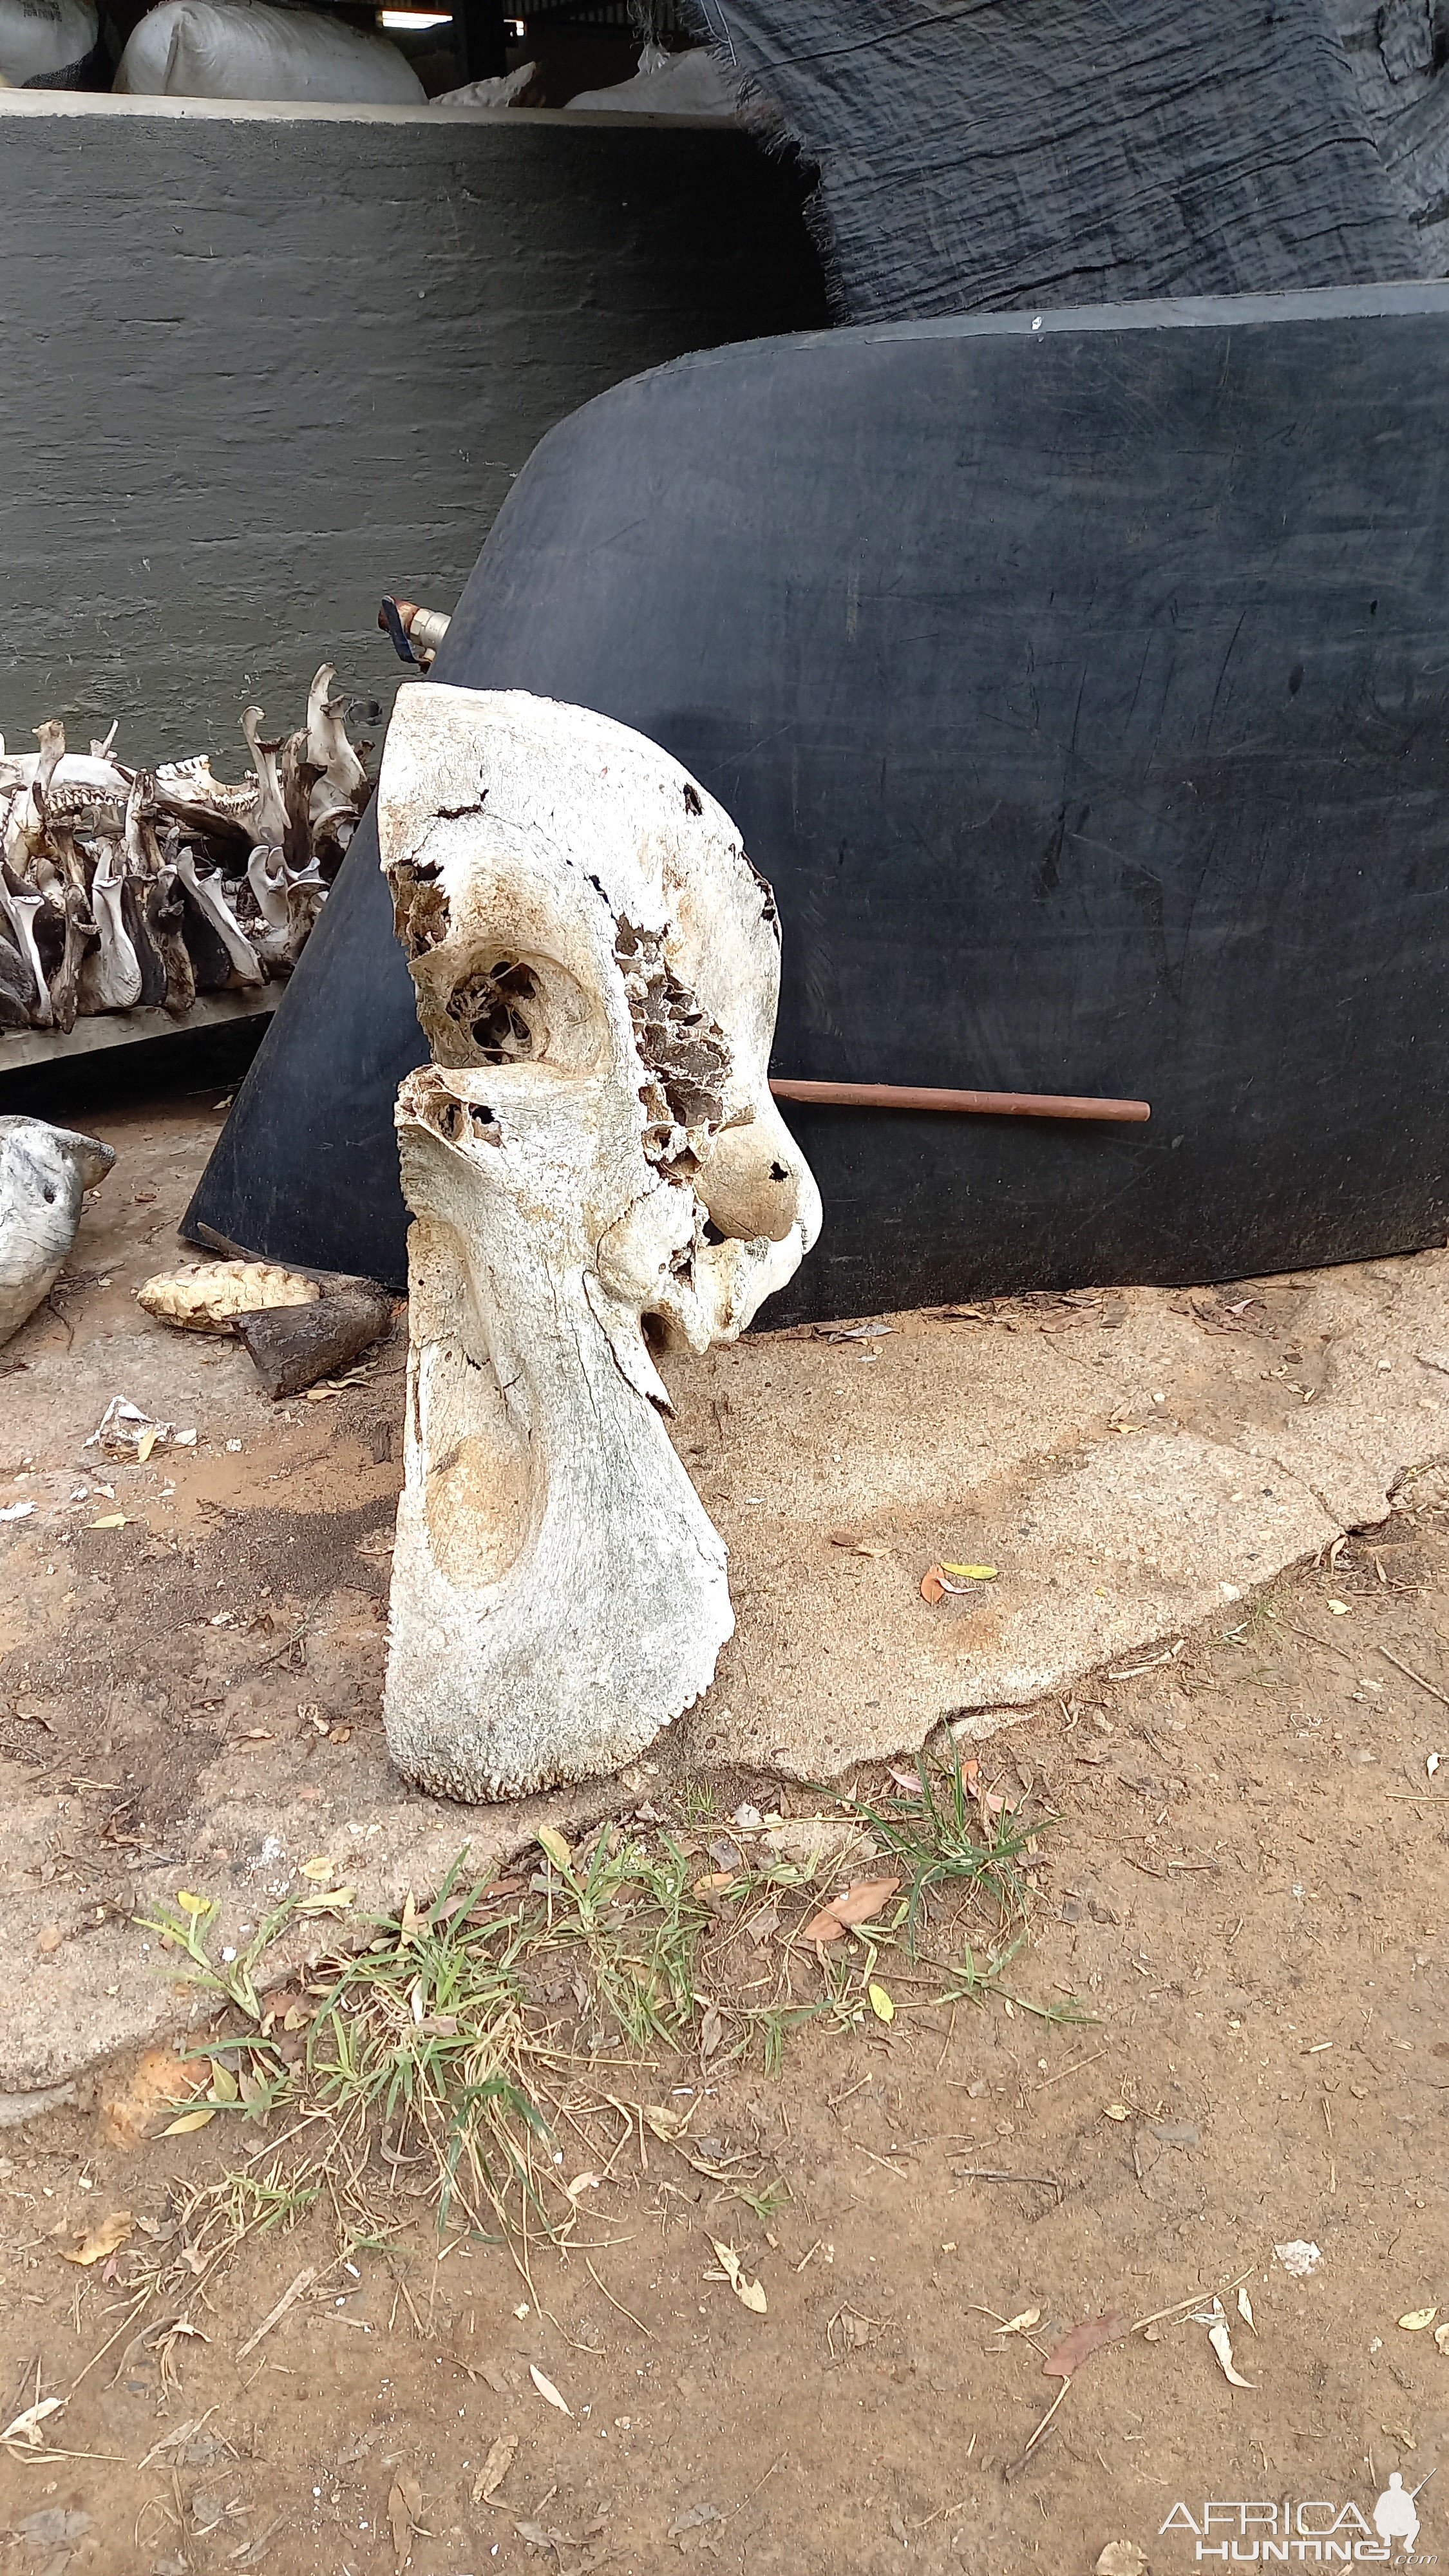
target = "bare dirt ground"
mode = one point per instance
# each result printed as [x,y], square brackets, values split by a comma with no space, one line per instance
[1243,1896]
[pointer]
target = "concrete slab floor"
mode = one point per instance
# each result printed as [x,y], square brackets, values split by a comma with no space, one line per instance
[191,1699]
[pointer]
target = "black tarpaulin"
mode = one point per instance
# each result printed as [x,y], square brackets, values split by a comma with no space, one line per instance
[988,154]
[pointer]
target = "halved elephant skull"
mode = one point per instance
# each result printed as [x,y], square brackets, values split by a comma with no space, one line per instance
[594,1162]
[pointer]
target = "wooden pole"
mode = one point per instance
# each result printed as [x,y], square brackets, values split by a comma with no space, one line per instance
[978,1104]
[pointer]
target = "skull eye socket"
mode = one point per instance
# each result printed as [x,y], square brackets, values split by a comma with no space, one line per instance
[500,1011]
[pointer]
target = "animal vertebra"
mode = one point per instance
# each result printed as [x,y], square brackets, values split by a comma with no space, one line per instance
[121,887]
[44,1172]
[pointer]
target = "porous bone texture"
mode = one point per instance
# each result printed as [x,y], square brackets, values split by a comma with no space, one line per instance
[593,1161]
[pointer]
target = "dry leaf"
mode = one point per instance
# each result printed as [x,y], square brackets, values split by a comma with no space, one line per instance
[1116,2111]
[155,2085]
[1079,2345]
[25,2427]
[1441,2337]
[102,2240]
[188,2121]
[1019,2325]
[404,2512]
[1339,1609]
[1222,2344]
[1417,2319]
[319,1868]
[495,2468]
[1245,2307]
[713,1880]
[880,2003]
[858,1905]
[1431,1763]
[750,2293]
[1122,2558]
[109,1520]
[934,1586]
[545,2387]
[815,1841]
[551,1841]
[711,2030]
[330,1900]
[665,2122]
[972,1573]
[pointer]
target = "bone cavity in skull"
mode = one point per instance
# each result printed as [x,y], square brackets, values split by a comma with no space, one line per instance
[593,1150]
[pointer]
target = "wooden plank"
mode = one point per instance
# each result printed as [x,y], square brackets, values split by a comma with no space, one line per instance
[98,1034]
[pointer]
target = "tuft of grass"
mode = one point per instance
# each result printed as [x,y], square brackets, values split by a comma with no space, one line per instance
[952,1844]
[434,2052]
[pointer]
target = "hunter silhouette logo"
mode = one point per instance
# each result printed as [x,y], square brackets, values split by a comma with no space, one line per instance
[1314,2531]
[1395,2515]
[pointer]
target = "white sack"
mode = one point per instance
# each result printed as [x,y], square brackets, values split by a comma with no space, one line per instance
[39,38]
[243,49]
[520,88]
[666,85]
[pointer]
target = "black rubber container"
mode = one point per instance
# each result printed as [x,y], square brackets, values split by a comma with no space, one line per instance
[1080,683]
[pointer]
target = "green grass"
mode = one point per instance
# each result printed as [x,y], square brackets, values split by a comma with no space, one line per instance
[436,2048]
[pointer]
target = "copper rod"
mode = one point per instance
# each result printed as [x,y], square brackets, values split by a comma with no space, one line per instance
[981,1104]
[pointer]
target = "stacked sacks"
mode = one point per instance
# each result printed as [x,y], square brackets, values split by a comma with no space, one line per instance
[121,887]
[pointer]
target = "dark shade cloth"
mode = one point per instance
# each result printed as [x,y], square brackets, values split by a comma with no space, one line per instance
[991,154]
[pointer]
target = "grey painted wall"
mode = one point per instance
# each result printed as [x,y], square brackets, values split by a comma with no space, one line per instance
[261,367]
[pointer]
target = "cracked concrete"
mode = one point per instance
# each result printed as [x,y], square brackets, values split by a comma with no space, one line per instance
[192,1699]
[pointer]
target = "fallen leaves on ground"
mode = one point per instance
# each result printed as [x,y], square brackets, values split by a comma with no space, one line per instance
[547,2390]
[750,2293]
[1222,2344]
[1417,2319]
[495,2468]
[1081,2342]
[101,2240]
[859,1904]
[551,1842]
[25,2427]
[404,2512]
[1122,2558]
[156,2083]
[1019,2325]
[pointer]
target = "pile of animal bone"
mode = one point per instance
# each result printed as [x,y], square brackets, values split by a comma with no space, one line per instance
[123,886]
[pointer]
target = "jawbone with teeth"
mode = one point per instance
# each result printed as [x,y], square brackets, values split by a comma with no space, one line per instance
[595,1165]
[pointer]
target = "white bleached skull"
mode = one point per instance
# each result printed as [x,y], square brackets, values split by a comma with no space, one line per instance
[594,1162]
[45,1172]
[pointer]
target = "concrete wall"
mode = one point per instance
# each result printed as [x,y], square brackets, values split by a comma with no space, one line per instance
[262,365]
